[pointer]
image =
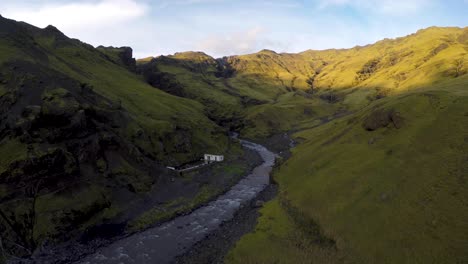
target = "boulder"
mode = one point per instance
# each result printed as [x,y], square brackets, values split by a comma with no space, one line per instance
[383,118]
[259,203]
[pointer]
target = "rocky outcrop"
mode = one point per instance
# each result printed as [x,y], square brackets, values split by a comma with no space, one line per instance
[161,80]
[126,56]
[122,56]
[383,118]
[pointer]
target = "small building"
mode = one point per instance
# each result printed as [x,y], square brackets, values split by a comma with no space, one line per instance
[213,158]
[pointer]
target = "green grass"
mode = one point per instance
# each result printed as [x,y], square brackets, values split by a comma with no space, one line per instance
[171,209]
[234,169]
[56,212]
[3,90]
[10,151]
[154,111]
[278,239]
[157,215]
[385,196]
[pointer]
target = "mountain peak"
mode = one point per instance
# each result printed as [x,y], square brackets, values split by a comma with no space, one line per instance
[51,28]
[268,51]
[197,56]
[53,31]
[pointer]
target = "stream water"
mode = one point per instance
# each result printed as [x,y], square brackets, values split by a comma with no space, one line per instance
[163,243]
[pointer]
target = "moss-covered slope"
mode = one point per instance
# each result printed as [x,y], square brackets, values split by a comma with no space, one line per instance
[81,134]
[387,182]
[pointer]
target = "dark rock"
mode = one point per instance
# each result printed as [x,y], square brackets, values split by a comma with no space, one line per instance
[126,55]
[58,109]
[331,97]
[382,118]
[161,80]
[259,203]
[122,56]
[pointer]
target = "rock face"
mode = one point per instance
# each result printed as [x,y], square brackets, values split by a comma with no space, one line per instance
[383,118]
[126,55]
[161,80]
[122,56]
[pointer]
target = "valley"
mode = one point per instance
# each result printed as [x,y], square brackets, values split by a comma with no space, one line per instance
[371,144]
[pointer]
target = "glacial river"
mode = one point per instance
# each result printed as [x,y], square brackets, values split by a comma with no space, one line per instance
[163,243]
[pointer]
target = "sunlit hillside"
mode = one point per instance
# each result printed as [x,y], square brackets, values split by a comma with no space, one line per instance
[386,183]
[321,83]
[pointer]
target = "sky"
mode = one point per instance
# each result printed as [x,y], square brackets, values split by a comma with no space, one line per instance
[228,27]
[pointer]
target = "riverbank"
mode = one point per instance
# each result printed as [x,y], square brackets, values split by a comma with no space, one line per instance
[162,244]
[216,245]
[196,189]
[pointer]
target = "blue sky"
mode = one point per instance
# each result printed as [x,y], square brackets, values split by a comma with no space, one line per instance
[228,27]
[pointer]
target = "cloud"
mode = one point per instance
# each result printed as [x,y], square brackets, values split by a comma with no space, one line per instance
[165,4]
[257,3]
[389,7]
[77,15]
[249,41]
[280,4]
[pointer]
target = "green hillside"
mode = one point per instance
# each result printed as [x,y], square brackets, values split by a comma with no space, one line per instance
[379,174]
[255,105]
[272,93]
[81,135]
[386,183]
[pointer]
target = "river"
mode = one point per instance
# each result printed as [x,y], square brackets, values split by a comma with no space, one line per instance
[163,243]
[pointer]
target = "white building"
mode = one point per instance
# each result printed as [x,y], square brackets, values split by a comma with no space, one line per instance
[213,158]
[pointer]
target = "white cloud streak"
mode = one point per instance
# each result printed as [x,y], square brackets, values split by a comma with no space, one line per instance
[79,15]
[389,7]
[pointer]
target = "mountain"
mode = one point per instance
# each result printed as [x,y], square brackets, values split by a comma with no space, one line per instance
[386,182]
[81,135]
[259,88]
[379,173]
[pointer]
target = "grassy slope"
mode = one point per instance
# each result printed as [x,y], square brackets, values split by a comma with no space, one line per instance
[155,111]
[259,101]
[196,73]
[164,120]
[384,196]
